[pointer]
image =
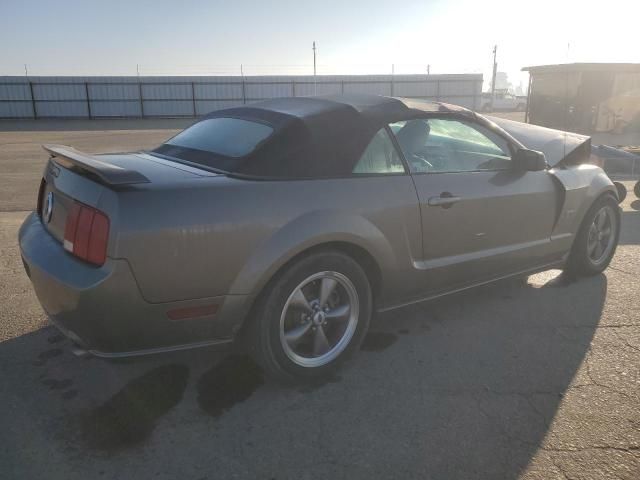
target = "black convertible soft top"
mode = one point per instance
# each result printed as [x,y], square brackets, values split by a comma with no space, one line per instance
[312,136]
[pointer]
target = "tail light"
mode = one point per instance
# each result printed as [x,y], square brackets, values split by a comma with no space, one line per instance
[86,233]
[43,185]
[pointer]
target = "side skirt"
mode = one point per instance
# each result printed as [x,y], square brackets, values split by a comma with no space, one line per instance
[153,351]
[531,271]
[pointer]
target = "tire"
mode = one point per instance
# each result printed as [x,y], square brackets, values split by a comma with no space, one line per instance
[622,191]
[636,189]
[302,354]
[585,260]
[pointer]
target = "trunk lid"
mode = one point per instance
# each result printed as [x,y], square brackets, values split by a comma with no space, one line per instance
[94,180]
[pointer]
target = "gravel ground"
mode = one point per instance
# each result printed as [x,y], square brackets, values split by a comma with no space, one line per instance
[532,380]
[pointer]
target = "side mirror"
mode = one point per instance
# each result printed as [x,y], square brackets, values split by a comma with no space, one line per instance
[529,160]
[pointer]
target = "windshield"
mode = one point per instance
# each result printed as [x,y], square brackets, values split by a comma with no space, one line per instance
[230,137]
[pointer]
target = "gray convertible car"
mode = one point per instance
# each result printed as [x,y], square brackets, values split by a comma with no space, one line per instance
[287,223]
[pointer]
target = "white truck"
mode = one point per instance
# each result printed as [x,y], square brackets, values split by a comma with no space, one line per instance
[503,101]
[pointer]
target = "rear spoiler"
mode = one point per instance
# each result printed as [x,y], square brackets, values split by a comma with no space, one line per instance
[109,174]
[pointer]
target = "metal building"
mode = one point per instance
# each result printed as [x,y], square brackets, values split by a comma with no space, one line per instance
[183,96]
[585,97]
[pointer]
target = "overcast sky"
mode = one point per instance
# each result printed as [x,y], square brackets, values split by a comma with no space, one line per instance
[85,37]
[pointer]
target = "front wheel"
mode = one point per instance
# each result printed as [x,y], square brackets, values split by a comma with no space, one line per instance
[312,317]
[597,238]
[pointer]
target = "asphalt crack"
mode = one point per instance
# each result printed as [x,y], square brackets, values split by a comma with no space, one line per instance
[587,361]
[561,469]
[625,341]
[622,271]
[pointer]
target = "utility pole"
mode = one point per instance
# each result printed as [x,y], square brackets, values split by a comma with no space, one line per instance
[138,70]
[26,72]
[393,72]
[428,69]
[493,78]
[315,88]
[244,87]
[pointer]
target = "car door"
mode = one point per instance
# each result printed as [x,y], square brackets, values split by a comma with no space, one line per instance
[481,218]
[382,171]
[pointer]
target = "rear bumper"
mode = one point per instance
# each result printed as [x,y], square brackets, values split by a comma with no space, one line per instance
[101,309]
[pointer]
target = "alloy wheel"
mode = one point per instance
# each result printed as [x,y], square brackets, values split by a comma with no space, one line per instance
[319,319]
[601,237]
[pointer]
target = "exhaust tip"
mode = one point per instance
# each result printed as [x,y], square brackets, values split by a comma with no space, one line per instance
[79,351]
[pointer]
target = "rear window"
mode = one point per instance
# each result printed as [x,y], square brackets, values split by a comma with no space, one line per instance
[262,143]
[230,137]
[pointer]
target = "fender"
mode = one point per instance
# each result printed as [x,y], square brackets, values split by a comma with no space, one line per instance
[307,231]
[582,185]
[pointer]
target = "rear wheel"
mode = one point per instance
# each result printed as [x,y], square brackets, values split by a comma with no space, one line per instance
[597,238]
[312,317]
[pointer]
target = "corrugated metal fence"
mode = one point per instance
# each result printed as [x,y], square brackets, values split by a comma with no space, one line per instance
[100,97]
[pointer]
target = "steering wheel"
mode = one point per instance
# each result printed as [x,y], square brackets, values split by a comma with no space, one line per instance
[420,163]
[439,157]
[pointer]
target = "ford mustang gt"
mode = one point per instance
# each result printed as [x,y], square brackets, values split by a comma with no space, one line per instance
[287,223]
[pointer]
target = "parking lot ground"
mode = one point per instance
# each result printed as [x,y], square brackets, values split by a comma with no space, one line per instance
[535,379]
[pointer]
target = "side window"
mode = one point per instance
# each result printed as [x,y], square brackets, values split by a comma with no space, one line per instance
[441,145]
[380,156]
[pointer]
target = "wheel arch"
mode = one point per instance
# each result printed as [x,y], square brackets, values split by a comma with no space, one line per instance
[354,234]
[598,189]
[358,253]
[347,232]
[611,192]
[605,192]
[582,185]
[576,264]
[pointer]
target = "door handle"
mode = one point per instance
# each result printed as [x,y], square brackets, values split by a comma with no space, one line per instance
[445,200]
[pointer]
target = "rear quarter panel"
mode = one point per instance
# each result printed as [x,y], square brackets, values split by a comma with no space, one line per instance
[221,236]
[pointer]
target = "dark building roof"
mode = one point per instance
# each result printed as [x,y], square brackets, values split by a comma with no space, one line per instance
[584,67]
